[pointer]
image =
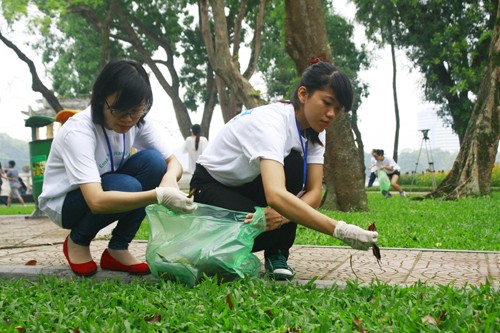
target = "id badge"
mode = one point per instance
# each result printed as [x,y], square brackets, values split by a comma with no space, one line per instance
[301,193]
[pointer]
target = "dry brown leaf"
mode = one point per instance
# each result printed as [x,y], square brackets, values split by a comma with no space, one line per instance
[359,325]
[441,316]
[375,248]
[155,318]
[229,301]
[31,262]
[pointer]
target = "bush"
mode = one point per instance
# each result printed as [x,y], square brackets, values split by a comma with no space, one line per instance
[425,179]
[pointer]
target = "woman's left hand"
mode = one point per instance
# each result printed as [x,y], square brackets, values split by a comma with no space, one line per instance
[274,220]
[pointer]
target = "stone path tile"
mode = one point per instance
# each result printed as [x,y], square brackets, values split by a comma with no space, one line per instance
[22,241]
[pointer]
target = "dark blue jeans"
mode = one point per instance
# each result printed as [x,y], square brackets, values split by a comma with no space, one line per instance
[141,172]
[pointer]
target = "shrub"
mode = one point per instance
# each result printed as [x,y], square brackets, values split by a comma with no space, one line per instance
[425,179]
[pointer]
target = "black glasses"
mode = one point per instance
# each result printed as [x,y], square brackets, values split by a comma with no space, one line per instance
[133,113]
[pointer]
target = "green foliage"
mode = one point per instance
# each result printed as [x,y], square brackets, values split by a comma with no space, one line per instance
[278,69]
[252,305]
[423,179]
[447,40]
[14,9]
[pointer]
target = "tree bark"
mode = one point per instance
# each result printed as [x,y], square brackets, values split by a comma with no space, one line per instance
[340,154]
[221,60]
[471,172]
[396,105]
[306,38]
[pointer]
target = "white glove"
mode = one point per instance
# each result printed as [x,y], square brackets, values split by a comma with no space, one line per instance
[356,237]
[175,200]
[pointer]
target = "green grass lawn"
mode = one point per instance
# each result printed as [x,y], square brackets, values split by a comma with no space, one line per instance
[260,305]
[469,224]
[17,209]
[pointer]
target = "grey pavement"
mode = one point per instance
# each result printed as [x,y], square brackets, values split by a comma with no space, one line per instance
[33,247]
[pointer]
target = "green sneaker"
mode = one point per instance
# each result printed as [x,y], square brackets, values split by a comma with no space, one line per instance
[277,267]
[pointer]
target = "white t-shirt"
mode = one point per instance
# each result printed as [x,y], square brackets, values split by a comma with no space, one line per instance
[266,132]
[190,148]
[80,155]
[388,161]
[373,162]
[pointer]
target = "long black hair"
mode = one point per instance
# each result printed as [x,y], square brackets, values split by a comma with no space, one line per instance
[129,80]
[321,75]
[196,130]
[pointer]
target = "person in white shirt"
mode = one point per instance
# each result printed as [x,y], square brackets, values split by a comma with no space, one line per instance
[272,156]
[390,167]
[92,179]
[194,145]
[373,170]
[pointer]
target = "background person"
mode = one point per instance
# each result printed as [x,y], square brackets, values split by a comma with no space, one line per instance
[373,170]
[15,185]
[272,156]
[194,146]
[393,170]
[2,177]
[92,179]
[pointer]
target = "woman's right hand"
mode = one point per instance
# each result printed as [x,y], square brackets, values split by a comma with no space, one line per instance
[274,220]
[355,236]
[175,200]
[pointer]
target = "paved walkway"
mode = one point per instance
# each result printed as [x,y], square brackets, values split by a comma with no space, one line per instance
[30,247]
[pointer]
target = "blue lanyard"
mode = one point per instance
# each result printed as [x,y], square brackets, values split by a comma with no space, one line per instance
[111,152]
[304,150]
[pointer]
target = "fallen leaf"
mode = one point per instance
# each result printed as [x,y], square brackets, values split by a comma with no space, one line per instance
[441,316]
[31,262]
[375,248]
[429,320]
[20,329]
[359,325]
[155,318]
[229,301]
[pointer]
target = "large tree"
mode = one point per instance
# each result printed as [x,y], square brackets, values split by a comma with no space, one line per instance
[381,26]
[80,37]
[306,38]
[471,173]
[223,49]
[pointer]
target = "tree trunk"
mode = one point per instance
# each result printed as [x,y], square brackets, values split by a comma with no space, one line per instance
[396,105]
[471,172]
[306,38]
[340,154]
[225,65]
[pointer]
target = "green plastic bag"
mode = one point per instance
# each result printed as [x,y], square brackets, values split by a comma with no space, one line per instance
[383,181]
[211,241]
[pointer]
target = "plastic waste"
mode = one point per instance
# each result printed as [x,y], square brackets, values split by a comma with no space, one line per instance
[211,241]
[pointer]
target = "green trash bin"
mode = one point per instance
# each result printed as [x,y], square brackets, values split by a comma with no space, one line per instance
[39,152]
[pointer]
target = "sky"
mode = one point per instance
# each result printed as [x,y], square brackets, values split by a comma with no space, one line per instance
[376,114]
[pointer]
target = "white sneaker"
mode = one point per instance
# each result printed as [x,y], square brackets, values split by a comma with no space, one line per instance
[402,194]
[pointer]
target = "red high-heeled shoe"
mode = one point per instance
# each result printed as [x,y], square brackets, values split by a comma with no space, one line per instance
[85,269]
[108,262]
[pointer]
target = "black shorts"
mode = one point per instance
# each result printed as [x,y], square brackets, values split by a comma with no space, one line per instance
[394,173]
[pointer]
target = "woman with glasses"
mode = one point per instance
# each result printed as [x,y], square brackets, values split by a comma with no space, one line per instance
[92,178]
[272,156]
